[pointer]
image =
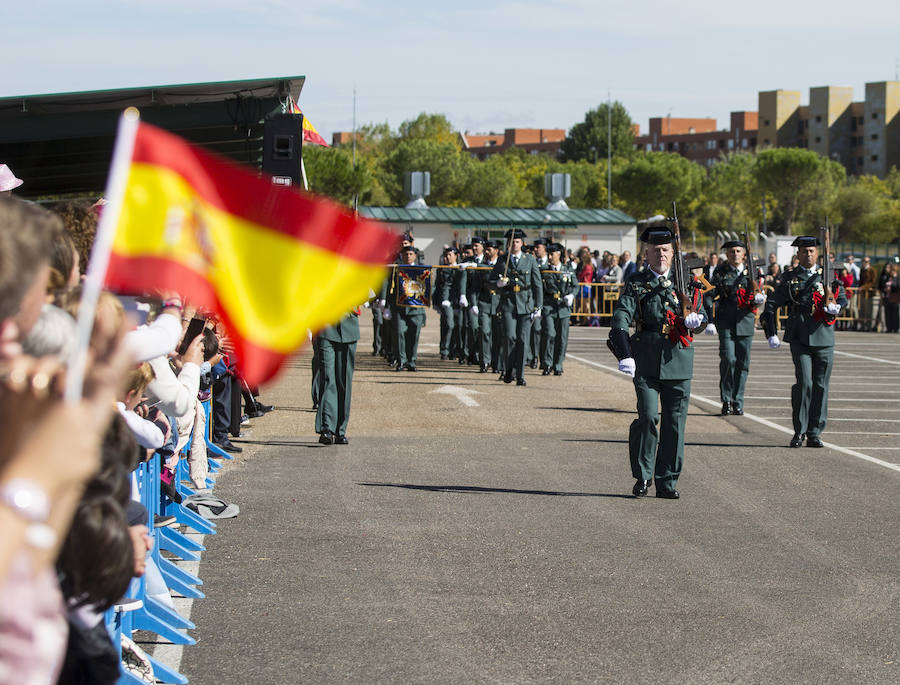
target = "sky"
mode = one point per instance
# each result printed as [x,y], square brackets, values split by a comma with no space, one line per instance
[487,65]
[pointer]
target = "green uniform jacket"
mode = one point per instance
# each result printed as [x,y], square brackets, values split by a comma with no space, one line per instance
[558,284]
[726,280]
[344,331]
[452,285]
[644,301]
[525,291]
[796,288]
[488,297]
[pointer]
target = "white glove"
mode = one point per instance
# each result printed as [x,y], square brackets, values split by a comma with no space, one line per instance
[834,308]
[381,304]
[502,282]
[466,265]
[309,334]
[759,298]
[463,301]
[693,320]
[570,298]
[446,304]
[774,342]
[710,329]
[386,314]
[536,314]
[627,366]
[475,309]
[366,304]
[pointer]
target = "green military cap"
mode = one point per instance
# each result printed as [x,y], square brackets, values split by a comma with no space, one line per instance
[478,239]
[490,243]
[806,241]
[657,235]
[554,247]
[540,241]
[514,233]
[734,243]
[407,248]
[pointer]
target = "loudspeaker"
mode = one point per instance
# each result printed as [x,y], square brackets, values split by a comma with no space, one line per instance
[282,142]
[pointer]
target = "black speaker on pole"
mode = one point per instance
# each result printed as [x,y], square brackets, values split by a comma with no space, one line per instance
[282,143]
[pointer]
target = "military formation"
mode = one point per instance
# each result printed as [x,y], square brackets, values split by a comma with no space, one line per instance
[502,307]
[505,309]
[665,314]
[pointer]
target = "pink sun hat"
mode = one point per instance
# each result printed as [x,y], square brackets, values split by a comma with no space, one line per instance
[8,179]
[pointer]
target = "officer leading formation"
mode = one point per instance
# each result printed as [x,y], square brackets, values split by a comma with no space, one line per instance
[660,358]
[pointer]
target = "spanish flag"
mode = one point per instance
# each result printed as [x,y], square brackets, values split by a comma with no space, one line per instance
[270,260]
[310,134]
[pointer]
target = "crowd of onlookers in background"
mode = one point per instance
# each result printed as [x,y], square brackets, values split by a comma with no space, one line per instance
[75,533]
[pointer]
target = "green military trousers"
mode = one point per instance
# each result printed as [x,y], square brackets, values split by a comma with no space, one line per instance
[659,454]
[336,362]
[809,395]
[473,339]
[734,364]
[555,341]
[534,343]
[408,327]
[517,329]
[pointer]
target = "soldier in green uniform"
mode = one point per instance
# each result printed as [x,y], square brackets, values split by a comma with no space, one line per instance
[408,321]
[336,355]
[559,294]
[735,321]
[451,295]
[471,286]
[521,294]
[538,340]
[486,306]
[660,358]
[810,331]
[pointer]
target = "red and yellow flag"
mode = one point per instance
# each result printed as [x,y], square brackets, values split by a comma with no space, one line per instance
[271,261]
[310,134]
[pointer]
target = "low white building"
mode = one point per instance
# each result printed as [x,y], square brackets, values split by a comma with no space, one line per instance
[435,227]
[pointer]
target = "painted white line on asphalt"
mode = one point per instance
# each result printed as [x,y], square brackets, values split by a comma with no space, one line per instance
[765,422]
[831,398]
[873,433]
[868,359]
[462,394]
[832,418]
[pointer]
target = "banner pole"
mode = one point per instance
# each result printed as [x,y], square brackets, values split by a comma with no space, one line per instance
[96,271]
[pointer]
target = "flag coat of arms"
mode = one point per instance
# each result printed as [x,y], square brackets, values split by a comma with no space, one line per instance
[413,286]
[273,262]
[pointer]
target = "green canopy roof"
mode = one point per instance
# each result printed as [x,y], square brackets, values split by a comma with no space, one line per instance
[476,217]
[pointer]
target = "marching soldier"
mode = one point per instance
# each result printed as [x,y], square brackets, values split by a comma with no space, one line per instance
[408,321]
[486,308]
[518,280]
[735,321]
[336,357]
[452,295]
[559,294]
[660,358]
[538,341]
[810,331]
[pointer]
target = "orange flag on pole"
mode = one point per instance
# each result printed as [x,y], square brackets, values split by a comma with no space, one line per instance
[310,134]
[273,262]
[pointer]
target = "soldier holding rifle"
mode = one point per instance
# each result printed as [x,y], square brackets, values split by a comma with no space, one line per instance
[663,304]
[808,290]
[559,294]
[737,297]
[518,281]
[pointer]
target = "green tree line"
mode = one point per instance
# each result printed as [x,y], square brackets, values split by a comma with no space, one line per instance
[796,188]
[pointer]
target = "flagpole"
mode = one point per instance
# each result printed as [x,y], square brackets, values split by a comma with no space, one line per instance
[96,271]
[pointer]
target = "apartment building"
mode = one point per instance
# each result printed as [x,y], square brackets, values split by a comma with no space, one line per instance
[863,136]
[547,141]
[698,139]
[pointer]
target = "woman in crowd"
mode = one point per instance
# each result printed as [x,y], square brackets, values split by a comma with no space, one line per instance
[585,275]
[891,294]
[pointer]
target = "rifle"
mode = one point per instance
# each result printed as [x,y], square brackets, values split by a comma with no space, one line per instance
[827,266]
[680,279]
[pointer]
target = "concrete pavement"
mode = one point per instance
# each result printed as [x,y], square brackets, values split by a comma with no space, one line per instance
[499,543]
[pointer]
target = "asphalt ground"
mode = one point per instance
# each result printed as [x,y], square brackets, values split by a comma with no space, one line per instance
[499,543]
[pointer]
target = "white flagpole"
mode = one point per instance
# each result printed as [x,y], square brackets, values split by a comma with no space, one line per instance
[96,271]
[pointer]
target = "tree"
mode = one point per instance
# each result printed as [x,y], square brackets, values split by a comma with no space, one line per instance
[654,180]
[490,184]
[426,126]
[732,185]
[588,139]
[330,172]
[867,211]
[798,179]
[448,166]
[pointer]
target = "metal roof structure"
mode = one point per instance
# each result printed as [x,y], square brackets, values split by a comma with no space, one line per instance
[476,217]
[61,144]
